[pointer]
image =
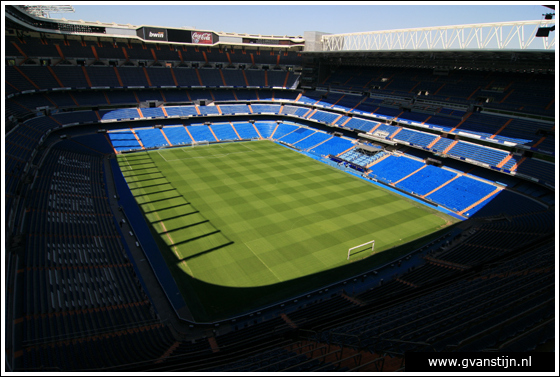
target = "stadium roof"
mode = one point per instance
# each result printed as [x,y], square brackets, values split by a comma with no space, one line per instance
[488,36]
[44,10]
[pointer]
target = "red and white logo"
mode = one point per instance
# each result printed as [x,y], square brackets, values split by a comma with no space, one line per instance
[201,38]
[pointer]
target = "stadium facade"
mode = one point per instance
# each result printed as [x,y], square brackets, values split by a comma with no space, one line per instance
[469,132]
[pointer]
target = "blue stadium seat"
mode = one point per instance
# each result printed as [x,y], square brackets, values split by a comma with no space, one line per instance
[246,130]
[394,168]
[177,135]
[201,133]
[461,193]
[124,140]
[151,138]
[224,132]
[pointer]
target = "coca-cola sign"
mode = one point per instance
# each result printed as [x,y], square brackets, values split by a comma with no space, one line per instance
[202,38]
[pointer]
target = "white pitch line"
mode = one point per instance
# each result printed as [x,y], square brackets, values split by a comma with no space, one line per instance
[174,248]
[166,160]
[249,247]
[129,167]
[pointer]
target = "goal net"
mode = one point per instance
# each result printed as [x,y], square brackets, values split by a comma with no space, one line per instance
[200,144]
[361,247]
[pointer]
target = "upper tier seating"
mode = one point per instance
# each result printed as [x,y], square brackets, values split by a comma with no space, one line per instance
[234,109]
[122,114]
[208,110]
[417,138]
[274,109]
[478,153]
[293,110]
[324,117]
[180,110]
[152,112]
[121,97]
[441,145]
[361,124]
[542,170]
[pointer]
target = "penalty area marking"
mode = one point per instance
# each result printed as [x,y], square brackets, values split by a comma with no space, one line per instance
[249,247]
[219,155]
[126,159]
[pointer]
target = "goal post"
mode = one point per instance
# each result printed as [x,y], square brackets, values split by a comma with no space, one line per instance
[200,144]
[364,244]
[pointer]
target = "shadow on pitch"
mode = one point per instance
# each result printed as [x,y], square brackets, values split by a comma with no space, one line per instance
[145,187]
[183,227]
[137,175]
[153,193]
[207,251]
[181,216]
[162,200]
[171,207]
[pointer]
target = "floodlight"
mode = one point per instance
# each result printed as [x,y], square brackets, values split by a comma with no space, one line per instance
[544,31]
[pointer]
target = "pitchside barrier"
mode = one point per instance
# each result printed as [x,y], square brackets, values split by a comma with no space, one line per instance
[364,244]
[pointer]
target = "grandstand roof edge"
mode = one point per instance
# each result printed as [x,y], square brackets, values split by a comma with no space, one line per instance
[488,24]
[427,50]
[115,25]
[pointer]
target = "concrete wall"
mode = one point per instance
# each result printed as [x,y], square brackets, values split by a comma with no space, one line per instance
[313,40]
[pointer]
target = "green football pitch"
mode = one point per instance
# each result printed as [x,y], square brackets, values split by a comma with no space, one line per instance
[242,225]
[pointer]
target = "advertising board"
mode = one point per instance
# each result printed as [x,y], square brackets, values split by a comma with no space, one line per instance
[202,37]
[155,34]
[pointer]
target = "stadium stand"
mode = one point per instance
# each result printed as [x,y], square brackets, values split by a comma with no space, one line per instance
[83,302]
[461,193]
[151,138]
[297,135]
[246,131]
[177,135]
[484,155]
[267,129]
[224,132]
[426,180]
[394,168]
[201,133]
[124,140]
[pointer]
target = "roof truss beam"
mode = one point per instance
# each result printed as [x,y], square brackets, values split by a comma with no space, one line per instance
[490,36]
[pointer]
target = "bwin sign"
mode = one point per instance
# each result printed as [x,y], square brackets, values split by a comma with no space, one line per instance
[155,34]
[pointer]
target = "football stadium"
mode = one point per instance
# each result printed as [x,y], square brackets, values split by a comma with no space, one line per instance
[190,200]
